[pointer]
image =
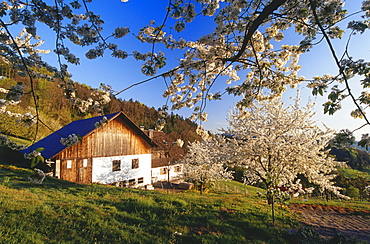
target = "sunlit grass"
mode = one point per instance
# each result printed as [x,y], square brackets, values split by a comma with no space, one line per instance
[354,204]
[64,212]
[20,141]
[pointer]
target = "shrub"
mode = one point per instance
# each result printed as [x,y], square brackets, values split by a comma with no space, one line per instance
[353,192]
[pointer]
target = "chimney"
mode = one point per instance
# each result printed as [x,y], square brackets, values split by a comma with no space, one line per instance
[151,133]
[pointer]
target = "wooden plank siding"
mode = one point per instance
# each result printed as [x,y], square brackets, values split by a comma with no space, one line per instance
[115,138]
[77,173]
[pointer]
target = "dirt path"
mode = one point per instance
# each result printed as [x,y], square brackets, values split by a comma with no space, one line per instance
[329,220]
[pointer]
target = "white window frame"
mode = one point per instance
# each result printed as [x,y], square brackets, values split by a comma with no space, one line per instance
[69,164]
[84,162]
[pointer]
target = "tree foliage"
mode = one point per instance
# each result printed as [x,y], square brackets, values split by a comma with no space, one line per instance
[205,164]
[353,179]
[35,157]
[56,109]
[277,144]
[244,48]
[355,158]
[343,138]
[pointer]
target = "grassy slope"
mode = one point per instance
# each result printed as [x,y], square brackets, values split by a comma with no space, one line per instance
[64,212]
[19,140]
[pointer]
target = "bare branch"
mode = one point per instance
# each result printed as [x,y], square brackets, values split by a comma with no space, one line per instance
[144,81]
[29,74]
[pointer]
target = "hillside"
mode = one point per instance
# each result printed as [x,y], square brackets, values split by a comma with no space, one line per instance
[356,158]
[64,212]
[56,111]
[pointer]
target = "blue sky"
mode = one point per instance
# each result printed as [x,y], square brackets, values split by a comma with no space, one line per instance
[122,73]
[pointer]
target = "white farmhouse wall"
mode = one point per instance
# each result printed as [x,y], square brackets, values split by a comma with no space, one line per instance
[157,173]
[102,170]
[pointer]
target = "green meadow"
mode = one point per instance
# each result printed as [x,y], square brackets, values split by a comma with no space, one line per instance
[63,212]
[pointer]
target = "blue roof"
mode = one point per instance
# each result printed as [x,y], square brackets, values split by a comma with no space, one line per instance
[81,128]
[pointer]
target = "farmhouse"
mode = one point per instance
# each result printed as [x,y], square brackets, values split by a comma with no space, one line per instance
[111,150]
[165,157]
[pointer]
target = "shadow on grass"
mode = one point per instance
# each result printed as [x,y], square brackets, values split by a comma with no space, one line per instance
[63,211]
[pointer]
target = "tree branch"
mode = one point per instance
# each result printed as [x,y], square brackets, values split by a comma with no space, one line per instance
[269,9]
[332,50]
[144,81]
[29,74]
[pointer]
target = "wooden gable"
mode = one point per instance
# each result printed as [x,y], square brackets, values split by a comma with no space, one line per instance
[116,138]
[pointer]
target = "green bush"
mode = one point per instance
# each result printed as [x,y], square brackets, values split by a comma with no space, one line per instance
[306,236]
[353,192]
[5,181]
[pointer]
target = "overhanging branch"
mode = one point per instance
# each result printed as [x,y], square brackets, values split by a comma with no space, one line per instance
[337,62]
[269,9]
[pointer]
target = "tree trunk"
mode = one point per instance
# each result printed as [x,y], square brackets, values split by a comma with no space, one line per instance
[273,210]
[271,201]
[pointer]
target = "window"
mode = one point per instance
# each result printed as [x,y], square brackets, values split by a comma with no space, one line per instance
[69,164]
[140,180]
[131,182]
[57,168]
[178,168]
[84,162]
[135,163]
[116,165]
[121,184]
[163,171]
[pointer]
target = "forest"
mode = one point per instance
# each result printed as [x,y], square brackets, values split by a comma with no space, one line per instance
[56,110]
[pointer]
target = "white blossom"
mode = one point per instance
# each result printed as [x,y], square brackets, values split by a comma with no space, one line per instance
[71,140]
[179,142]
[203,133]
[101,123]
[252,62]
[27,119]
[367,190]
[2,90]
[5,141]
[121,32]
[32,155]
[38,178]
[16,92]
[204,163]
[276,143]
